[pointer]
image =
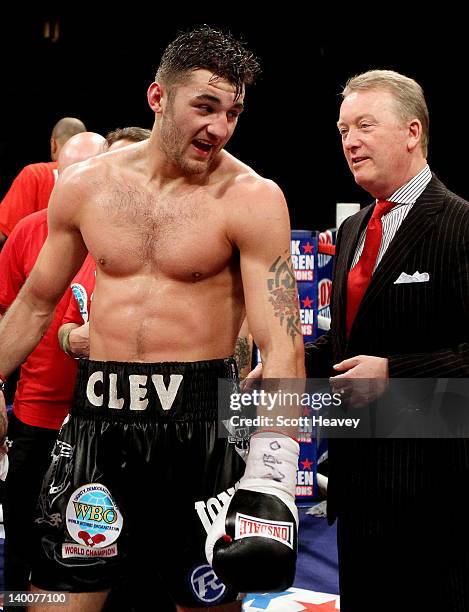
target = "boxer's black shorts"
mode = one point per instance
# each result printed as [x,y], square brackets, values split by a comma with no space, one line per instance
[137,475]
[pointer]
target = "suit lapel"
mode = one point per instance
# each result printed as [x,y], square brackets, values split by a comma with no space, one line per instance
[420,220]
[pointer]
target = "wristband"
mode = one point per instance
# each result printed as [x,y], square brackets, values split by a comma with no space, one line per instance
[2,382]
[64,345]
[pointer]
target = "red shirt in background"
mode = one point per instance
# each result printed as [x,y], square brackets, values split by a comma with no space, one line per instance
[44,392]
[82,287]
[29,192]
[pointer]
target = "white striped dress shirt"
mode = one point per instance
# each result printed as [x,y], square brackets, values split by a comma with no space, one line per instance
[405,197]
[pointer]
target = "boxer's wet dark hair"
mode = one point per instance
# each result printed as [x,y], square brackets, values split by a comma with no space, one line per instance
[210,49]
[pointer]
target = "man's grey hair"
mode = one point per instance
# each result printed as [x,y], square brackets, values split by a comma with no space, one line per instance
[407,93]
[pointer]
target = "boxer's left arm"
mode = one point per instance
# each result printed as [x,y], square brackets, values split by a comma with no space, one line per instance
[243,350]
[261,231]
[242,544]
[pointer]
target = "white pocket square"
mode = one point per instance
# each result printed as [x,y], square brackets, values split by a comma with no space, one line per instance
[416,277]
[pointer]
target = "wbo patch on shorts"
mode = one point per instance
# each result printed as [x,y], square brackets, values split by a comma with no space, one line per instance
[206,585]
[94,522]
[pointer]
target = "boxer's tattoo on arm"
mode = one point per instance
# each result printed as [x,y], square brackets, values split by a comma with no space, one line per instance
[242,353]
[284,296]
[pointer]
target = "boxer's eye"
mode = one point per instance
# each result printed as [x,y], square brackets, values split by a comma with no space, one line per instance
[205,108]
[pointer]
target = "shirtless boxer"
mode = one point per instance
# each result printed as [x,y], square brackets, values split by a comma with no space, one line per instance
[186,239]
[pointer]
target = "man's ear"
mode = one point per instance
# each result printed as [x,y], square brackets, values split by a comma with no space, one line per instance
[54,149]
[415,134]
[155,97]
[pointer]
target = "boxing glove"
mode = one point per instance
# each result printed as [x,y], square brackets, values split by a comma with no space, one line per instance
[252,543]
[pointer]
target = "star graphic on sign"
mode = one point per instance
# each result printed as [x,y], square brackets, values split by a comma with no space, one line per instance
[307,248]
[306,464]
[262,600]
[328,606]
[307,302]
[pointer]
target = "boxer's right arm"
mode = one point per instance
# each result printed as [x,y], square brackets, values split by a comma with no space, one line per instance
[30,314]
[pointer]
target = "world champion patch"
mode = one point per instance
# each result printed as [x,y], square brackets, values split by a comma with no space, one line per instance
[94,522]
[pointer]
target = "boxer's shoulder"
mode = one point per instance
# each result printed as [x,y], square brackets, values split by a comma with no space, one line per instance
[246,186]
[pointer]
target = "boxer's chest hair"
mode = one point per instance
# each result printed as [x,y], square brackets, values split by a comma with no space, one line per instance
[157,223]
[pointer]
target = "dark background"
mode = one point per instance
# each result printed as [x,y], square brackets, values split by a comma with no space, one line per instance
[101,65]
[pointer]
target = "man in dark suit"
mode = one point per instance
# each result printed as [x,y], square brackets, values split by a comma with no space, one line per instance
[401,264]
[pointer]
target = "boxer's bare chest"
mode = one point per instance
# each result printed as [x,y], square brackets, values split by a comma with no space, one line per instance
[179,234]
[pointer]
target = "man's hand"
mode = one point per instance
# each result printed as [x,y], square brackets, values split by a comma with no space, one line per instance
[79,341]
[74,339]
[253,375]
[363,366]
[363,379]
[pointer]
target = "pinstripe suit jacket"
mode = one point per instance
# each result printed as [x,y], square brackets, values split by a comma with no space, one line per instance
[423,330]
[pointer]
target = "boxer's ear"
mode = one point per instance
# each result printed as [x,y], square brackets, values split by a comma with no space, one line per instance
[155,96]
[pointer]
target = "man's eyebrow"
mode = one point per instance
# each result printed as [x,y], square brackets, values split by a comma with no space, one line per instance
[216,100]
[358,119]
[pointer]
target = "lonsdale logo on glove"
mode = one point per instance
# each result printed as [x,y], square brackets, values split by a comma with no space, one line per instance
[248,526]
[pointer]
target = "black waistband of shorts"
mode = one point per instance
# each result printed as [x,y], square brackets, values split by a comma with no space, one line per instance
[157,391]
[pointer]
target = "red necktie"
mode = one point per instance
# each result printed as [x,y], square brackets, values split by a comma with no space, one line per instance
[360,276]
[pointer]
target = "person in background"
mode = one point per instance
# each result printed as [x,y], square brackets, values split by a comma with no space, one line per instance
[31,189]
[121,137]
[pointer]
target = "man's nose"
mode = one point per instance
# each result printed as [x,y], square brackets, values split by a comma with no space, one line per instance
[350,140]
[218,127]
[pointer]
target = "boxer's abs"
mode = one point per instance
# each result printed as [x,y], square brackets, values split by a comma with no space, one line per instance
[164,320]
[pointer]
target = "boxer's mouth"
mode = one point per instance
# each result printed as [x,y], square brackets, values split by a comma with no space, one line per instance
[203,146]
